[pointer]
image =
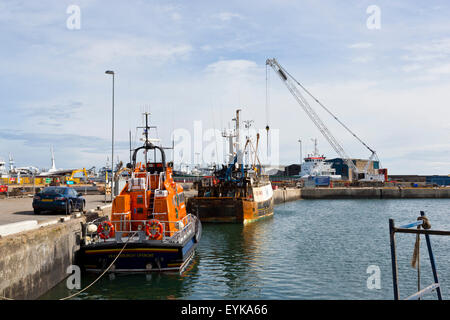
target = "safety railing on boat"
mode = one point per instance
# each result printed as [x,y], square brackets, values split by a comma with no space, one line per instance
[422,227]
[124,227]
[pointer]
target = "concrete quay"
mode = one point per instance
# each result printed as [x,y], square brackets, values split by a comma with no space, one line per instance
[21,209]
[375,193]
[290,194]
[34,261]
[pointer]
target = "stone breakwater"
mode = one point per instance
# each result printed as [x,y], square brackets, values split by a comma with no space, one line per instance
[290,194]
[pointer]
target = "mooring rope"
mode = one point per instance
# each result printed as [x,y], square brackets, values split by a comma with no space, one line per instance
[103,273]
[93,282]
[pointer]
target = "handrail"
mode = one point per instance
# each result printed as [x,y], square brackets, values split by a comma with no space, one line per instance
[427,232]
[414,224]
[421,293]
[187,222]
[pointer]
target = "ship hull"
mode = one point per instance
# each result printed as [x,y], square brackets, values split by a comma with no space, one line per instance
[137,257]
[230,210]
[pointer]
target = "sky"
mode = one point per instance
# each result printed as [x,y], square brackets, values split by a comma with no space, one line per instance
[384,73]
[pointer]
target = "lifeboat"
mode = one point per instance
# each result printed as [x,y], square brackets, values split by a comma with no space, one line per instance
[149,228]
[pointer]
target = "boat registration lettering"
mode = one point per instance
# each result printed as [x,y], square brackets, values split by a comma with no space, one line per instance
[132,255]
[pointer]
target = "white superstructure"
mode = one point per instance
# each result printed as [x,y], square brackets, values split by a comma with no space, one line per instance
[315,165]
[3,170]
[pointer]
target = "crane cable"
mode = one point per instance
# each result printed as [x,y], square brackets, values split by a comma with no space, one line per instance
[327,110]
[267,109]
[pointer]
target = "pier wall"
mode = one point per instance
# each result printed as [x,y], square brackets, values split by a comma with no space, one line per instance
[32,262]
[375,193]
[285,195]
[292,194]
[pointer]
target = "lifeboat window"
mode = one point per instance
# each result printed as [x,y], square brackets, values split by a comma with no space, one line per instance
[155,167]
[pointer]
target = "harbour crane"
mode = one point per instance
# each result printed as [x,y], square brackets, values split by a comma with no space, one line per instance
[293,85]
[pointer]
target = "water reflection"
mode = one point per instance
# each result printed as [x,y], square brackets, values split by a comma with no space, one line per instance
[307,250]
[133,286]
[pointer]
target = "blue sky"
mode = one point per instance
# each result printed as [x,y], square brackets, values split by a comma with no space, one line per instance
[198,60]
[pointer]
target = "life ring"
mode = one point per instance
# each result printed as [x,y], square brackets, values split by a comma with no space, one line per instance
[153,229]
[105,230]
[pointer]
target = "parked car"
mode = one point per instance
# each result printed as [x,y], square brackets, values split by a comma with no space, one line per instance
[63,199]
[3,189]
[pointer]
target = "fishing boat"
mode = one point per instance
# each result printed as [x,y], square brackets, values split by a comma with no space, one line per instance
[149,228]
[237,192]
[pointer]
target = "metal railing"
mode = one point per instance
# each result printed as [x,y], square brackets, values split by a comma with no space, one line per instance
[125,227]
[427,232]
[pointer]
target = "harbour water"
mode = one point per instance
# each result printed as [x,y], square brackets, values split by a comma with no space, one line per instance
[309,249]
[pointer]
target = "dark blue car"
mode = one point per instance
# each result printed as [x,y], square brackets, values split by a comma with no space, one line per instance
[63,199]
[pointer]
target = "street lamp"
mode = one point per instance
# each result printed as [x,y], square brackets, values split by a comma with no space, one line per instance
[112,138]
[300,141]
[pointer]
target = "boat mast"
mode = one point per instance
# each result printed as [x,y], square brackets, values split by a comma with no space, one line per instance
[238,139]
[146,135]
[316,151]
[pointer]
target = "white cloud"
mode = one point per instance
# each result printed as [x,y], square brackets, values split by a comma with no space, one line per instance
[432,50]
[360,45]
[232,67]
[106,51]
[423,78]
[206,47]
[440,69]
[227,16]
[175,16]
[412,67]
[421,57]
[362,59]
[427,61]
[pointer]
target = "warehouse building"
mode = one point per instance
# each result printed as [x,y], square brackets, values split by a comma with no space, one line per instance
[342,168]
[438,180]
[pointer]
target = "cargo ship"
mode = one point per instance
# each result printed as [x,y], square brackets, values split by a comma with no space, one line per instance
[236,192]
[316,166]
[149,228]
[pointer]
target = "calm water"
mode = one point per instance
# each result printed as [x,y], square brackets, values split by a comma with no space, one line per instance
[309,249]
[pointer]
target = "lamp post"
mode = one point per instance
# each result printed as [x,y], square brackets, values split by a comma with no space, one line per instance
[300,141]
[112,136]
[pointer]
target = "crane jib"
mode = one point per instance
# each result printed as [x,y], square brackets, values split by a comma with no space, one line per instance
[291,82]
[282,74]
